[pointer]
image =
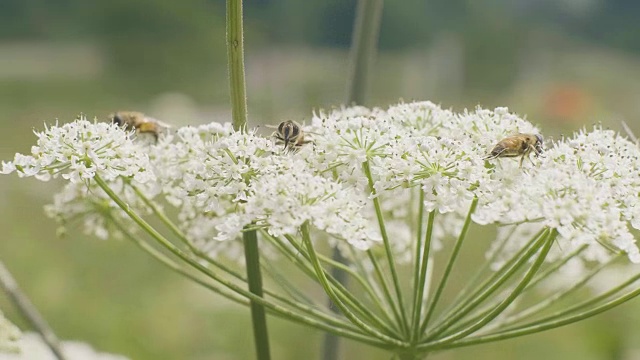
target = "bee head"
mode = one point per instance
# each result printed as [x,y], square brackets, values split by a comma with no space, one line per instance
[116,119]
[289,130]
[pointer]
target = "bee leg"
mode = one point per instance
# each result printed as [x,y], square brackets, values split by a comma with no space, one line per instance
[495,153]
[538,153]
[526,153]
[277,136]
[492,156]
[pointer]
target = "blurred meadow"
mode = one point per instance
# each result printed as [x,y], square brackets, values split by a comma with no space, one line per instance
[565,64]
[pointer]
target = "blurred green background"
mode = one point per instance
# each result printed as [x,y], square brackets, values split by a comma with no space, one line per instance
[564,63]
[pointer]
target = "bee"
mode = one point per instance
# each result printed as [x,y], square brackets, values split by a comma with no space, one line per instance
[517,145]
[140,122]
[291,135]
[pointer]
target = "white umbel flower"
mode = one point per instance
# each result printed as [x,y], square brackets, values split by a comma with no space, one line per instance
[221,181]
[78,150]
[33,348]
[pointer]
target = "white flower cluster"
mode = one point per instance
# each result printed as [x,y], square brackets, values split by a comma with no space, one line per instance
[9,336]
[410,146]
[221,181]
[585,187]
[33,348]
[77,151]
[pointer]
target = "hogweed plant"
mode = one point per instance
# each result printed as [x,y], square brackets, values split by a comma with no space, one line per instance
[401,192]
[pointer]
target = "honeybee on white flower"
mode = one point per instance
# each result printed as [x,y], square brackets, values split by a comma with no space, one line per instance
[290,134]
[517,145]
[140,122]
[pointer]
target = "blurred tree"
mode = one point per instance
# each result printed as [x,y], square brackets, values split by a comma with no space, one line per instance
[614,23]
[309,22]
[492,37]
[169,44]
[42,19]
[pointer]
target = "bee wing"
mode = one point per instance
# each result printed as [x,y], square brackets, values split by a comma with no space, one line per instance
[507,147]
[161,123]
[515,142]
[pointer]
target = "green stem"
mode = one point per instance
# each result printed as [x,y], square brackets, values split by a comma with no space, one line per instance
[342,291]
[385,288]
[540,276]
[254,277]
[478,274]
[507,301]
[387,247]
[309,271]
[363,48]
[358,261]
[235,58]
[175,267]
[237,90]
[583,305]
[542,326]
[166,221]
[422,275]
[449,267]
[287,286]
[345,297]
[418,259]
[555,266]
[556,297]
[348,300]
[331,343]
[478,298]
[195,263]
[329,290]
[310,310]
[507,267]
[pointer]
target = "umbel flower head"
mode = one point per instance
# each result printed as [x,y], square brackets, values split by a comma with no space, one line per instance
[221,180]
[386,187]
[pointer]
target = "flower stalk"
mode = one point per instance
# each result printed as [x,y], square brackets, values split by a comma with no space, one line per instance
[450,264]
[254,277]
[235,58]
[237,90]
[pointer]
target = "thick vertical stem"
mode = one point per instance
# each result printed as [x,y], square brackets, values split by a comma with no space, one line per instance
[258,318]
[237,90]
[235,58]
[364,40]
